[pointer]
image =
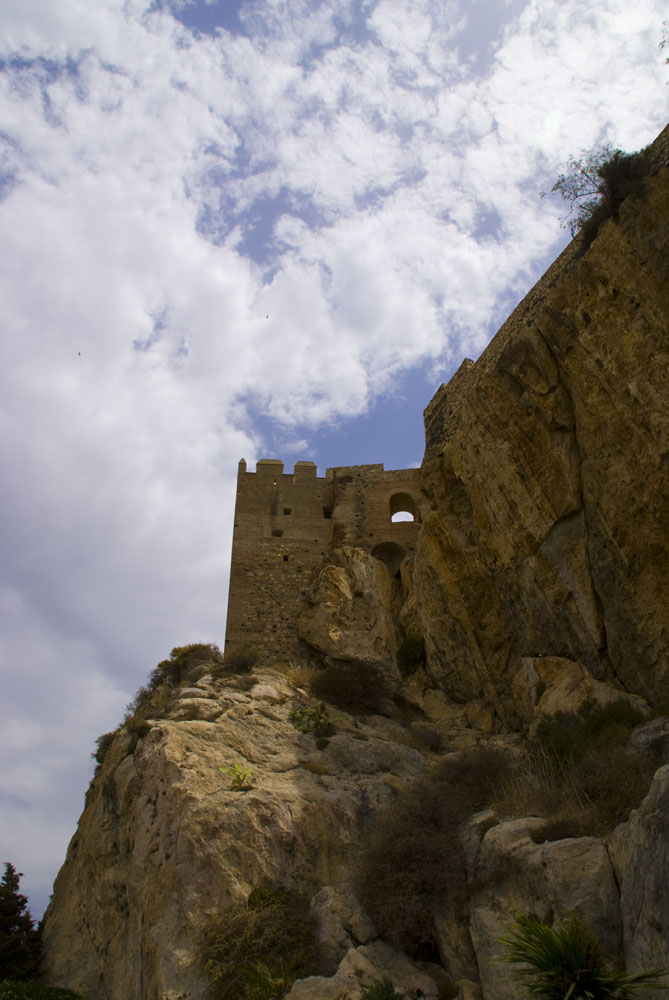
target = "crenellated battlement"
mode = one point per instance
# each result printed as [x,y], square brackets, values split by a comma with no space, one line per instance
[286,525]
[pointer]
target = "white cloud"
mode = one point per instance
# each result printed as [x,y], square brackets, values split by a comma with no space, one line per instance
[396,194]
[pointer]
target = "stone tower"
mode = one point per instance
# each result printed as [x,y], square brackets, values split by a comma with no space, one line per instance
[286,524]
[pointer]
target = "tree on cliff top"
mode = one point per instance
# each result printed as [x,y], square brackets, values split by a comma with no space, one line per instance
[19,941]
[596,183]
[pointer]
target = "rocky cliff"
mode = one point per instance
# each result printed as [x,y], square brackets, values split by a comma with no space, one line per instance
[409,784]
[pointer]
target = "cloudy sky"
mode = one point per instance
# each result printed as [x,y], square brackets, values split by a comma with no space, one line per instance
[259,228]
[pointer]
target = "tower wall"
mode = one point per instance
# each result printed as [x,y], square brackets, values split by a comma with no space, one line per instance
[286,524]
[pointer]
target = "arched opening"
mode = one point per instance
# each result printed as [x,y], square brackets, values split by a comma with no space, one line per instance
[391,554]
[402,507]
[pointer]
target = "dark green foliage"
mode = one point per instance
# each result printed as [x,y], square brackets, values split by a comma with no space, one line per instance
[19,941]
[569,962]
[383,989]
[255,950]
[103,744]
[596,183]
[412,857]
[12,990]
[410,654]
[355,687]
[313,720]
[566,736]
[240,660]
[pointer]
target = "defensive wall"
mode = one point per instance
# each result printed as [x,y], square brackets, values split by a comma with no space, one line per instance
[285,526]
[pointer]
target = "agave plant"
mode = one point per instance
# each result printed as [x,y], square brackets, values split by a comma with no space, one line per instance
[568,963]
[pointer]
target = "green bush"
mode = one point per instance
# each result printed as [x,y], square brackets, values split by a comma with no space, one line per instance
[596,184]
[240,660]
[12,990]
[383,989]
[261,945]
[103,743]
[412,857]
[410,654]
[568,961]
[313,720]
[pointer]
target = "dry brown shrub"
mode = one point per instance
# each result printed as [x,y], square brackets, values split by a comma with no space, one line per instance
[413,857]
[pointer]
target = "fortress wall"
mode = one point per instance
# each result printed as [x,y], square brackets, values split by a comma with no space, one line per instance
[286,525]
[282,533]
[362,513]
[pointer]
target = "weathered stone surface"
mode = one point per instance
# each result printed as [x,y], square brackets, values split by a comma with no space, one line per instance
[349,610]
[516,875]
[546,473]
[164,840]
[639,851]
[361,968]
[549,684]
[539,582]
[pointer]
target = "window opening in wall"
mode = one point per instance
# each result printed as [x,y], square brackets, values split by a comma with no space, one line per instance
[391,554]
[287,510]
[277,533]
[327,512]
[402,507]
[285,558]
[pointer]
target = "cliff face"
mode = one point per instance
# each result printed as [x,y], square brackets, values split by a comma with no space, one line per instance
[539,585]
[546,471]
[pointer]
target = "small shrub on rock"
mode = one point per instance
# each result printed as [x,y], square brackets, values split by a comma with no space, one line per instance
[383,989]
[412,857]
[240,660]
[313,720]
[103,743]
[153,698]
[272,937]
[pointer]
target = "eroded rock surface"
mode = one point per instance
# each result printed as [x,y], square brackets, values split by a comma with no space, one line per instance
[540,584]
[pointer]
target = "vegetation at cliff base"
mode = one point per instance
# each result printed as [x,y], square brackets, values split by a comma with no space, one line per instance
[255,950]
[568,961]
[12,990]
[595,183]
[20,946]
[19,940]
[412,857]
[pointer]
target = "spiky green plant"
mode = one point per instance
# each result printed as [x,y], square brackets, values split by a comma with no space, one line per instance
[568,963]
[382,989]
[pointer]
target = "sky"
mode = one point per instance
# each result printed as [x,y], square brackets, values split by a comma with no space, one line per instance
[245,228]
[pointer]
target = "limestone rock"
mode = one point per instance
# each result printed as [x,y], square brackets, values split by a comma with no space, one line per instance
[349,610]
[164,840]
[545,685]
[551,880]
[360,969]
[639,851]
[545,470]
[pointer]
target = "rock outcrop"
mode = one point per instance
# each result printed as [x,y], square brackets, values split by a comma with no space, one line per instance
[546,470]
[539,586]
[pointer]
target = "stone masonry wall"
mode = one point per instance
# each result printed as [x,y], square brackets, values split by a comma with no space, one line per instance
[286,525]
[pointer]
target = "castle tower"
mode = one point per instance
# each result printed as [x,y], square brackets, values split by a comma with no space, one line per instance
[286,524]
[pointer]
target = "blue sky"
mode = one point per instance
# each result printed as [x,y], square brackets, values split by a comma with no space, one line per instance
[251,228]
